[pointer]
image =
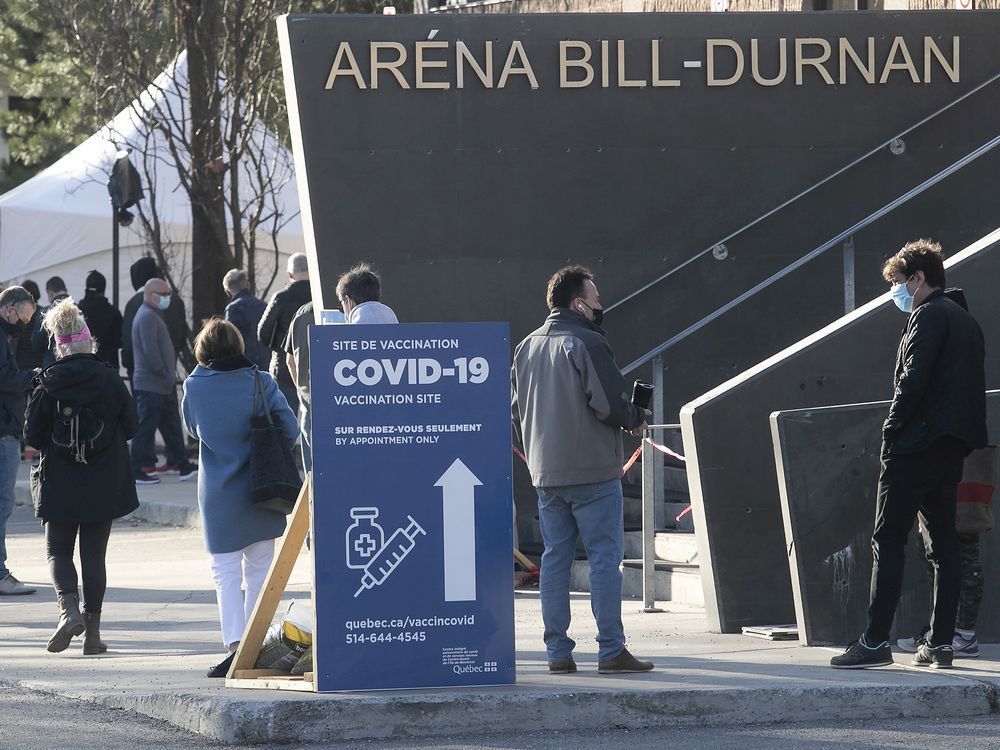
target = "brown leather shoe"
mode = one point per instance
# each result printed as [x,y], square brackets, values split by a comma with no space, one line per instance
[624,663]
[562,666]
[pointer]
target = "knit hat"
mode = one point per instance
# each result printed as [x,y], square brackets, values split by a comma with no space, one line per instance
[96,282]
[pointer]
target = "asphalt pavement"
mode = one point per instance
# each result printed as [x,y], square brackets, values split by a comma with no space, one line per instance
[160,620]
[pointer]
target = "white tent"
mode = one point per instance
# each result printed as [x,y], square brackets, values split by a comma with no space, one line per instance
[59,223]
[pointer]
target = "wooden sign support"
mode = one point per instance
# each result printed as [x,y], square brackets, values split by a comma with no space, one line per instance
[243,673]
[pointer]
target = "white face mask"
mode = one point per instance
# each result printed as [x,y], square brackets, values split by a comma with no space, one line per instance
[902,297]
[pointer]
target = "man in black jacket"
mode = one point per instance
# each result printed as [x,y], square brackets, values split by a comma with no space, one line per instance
[245,311]
[273,327]
[55,290]
[103,319]
[937,416]
[16,310]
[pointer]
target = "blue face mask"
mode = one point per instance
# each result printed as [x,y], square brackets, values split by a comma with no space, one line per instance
[902,297]
[164,302]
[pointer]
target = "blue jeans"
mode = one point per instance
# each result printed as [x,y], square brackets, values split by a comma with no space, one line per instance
[157,412]
[594,513]
[10,460]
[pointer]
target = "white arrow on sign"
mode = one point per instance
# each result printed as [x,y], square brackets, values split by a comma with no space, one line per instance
[458,487]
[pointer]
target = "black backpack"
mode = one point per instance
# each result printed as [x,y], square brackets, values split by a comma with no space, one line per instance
[79,432]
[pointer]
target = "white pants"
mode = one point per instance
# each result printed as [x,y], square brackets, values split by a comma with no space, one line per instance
[233,571]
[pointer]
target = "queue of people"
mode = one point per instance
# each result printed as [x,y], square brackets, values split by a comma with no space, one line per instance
[564,373]
[81,416]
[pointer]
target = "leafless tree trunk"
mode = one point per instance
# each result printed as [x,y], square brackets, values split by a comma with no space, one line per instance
[215,132]
[210,254]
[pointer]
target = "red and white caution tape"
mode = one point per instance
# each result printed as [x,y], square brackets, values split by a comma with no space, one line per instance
[631,462]
[665,449]
[635,456]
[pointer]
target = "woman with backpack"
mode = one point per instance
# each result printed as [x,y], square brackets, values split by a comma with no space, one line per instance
[80,418]
[219,401]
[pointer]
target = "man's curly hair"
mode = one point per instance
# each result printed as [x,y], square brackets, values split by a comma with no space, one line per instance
[919,255]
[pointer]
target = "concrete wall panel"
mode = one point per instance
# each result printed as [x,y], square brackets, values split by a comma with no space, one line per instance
[727,439]
[828,462]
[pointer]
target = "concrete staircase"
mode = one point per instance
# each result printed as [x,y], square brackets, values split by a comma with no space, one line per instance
[678,577]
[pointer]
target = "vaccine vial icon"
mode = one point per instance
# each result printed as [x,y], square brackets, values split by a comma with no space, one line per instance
[364,537]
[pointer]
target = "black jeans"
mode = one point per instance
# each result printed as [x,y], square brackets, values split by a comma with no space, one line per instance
[971,595]
[157,411]
[924,482]
[60,538]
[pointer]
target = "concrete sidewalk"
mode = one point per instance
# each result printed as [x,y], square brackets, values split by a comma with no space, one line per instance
[160,620]
[169,503]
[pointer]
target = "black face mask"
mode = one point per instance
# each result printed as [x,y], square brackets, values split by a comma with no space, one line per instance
[598,313]
[18,325]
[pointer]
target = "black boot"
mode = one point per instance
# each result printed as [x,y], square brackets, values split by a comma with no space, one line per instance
[92,643]
[70,623]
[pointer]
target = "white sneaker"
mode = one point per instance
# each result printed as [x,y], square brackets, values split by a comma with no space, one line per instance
[10,586]
[912,645]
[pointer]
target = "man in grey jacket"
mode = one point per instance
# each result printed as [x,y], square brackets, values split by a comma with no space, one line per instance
[154,383]
[569,406]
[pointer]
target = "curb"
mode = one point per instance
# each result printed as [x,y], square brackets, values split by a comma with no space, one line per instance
[158,512]
[167,514]
[351,717]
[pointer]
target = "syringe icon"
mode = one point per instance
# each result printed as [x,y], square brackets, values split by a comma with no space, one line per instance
[390,556]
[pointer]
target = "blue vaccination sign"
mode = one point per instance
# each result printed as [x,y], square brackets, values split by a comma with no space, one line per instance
[411,511]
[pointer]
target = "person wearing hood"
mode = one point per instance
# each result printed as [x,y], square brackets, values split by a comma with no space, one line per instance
[273,327]
[175,315]
[937,416]
[80,418]
[360,294]
[17,308]
[218,405]
[103,320]
[55,289]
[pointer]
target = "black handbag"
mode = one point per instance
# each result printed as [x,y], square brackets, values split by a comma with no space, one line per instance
[274,478]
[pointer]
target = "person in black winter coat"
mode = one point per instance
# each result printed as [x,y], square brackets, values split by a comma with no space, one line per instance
[245,311]
[80,417]
[55,289]
[24,350]
[142,271]
[937,416]
[103,320]
[17,308]
[273,327]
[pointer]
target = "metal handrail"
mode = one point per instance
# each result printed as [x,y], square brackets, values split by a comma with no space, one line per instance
[900,200]
[804,193]
[652,476]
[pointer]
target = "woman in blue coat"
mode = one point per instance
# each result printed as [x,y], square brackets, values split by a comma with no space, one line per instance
[218,404]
